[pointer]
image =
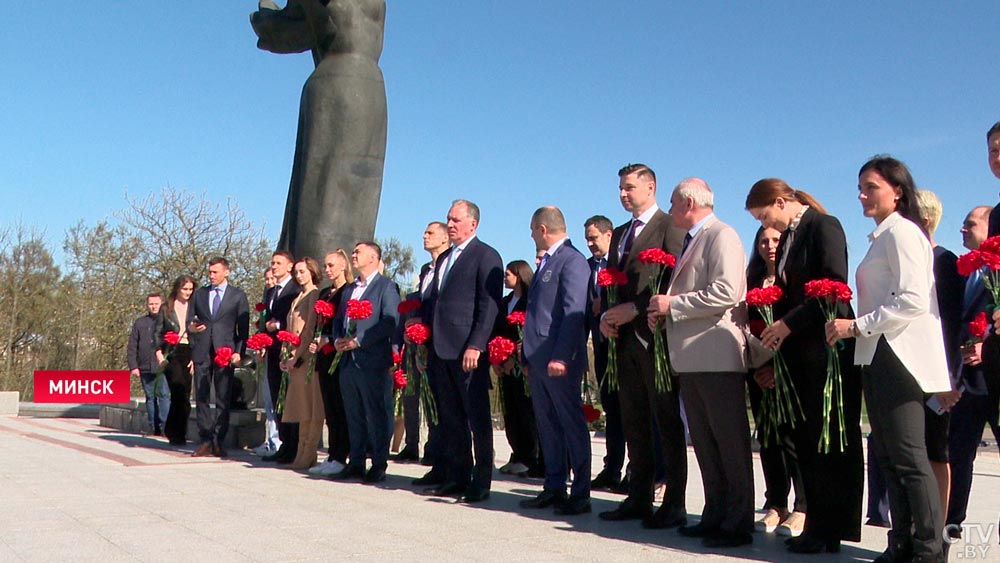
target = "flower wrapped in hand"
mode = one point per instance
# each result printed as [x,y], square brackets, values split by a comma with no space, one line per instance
[416,361]
[611,279]
[830,294]
[661,260]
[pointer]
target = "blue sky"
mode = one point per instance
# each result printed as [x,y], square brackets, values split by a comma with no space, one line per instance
[510,104]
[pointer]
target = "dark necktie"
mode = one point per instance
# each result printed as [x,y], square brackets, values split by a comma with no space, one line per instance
[595,290]
[216,301]
[687,241]
[627,248]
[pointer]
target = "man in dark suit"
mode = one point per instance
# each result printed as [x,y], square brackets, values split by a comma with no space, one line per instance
[278,301]
[597,231]
[435,242]
[641,405]
[221,319]
[555,362]
[971,414]
[461,310]
[365,381]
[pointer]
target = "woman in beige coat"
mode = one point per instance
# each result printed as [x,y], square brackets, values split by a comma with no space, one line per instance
[303,401]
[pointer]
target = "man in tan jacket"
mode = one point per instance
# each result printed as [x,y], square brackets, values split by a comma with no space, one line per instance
[703,312]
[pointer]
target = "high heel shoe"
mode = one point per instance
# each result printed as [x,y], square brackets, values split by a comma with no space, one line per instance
[810,544]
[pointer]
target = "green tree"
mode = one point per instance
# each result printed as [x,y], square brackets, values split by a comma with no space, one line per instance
[399,262]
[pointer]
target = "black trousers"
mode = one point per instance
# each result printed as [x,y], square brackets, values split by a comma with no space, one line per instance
[645,412]
[212,426]
[333,407]
[614,435]
[519,421]
[896,412]
[778,460]
[179,380]
[968,419]
[463,402]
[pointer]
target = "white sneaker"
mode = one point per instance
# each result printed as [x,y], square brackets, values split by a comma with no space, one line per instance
[266,449]
[327,468]
[517,469]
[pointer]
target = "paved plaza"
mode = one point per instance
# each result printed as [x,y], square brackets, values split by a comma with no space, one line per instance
[71,490]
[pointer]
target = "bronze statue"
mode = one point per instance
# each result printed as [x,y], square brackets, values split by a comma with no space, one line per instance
[336,182]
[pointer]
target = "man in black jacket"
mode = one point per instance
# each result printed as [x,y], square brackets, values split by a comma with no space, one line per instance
[142,364]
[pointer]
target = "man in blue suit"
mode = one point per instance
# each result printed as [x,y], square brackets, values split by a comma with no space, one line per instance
[555,361]
[221,319]
[461,310]
[365,381]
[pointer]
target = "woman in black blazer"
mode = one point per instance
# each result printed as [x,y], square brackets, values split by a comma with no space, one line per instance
[174,317]
[813,246]
[518,416]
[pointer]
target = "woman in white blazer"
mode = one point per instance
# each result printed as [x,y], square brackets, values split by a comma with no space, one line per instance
[900,349]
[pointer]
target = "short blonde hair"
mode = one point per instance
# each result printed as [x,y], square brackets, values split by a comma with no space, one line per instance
[930,209]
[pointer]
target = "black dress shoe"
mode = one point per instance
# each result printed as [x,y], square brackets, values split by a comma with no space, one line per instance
[473,496]
[727,539]
[699,530]
[375,475]
[349,472]
[574,506]
[445,490]
[666,517]
[622,487]
[605,482]
[812,544]
[406,455]
[219,451]
[544,499]
[430,479]
[628,510]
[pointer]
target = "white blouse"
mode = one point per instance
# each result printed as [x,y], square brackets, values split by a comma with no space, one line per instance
[897,299]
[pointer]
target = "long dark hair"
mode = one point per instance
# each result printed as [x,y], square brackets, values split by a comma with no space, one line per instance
[898,176]
[757,267]
[522,271]
[175,290]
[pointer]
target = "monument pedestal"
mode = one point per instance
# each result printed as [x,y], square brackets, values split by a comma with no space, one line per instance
[246,427]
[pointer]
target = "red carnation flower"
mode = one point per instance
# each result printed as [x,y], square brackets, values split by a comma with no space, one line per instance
[842,292]
[590,413]
[516,318]
[223,356]
[611,276]
[324,309]
[328,349]
[979,326]
[500,349]
[418,333]
[990,245]
[259,341]
[399,379]
[359,310]
[968,263]
[408,306]
[397,358]
[289,337]
[260,307]
[657,256]
[171,338]
[763,296]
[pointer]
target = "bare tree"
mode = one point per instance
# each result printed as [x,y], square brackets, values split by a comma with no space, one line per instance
[399,262]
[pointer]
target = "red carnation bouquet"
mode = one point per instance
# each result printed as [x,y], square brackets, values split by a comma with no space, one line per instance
[223,356]
[830,294]
[590,412]
[500,350]
[978,327]
[289,342]
[780,404]
[988,256]
[517,320]
[610,279]
[661,260]
[398,385]
[357,310]
[416,367]
[261,309]
[258,343]
[171,339]
[324,312]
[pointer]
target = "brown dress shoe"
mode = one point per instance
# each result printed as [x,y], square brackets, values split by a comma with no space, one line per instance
[203,450]
[218,451]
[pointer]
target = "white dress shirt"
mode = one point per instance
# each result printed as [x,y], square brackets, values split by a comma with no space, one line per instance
[897,299]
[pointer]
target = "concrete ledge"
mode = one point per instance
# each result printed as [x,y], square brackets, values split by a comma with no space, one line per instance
[246,427]
[9,403]
[59,410]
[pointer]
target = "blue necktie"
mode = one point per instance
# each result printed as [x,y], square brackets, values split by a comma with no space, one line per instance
[971,288]
[216,301]
[687,241]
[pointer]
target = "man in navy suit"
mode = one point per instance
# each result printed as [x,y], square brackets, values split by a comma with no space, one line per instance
[221,319]
[555,361]
[365,381]
[461,310]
